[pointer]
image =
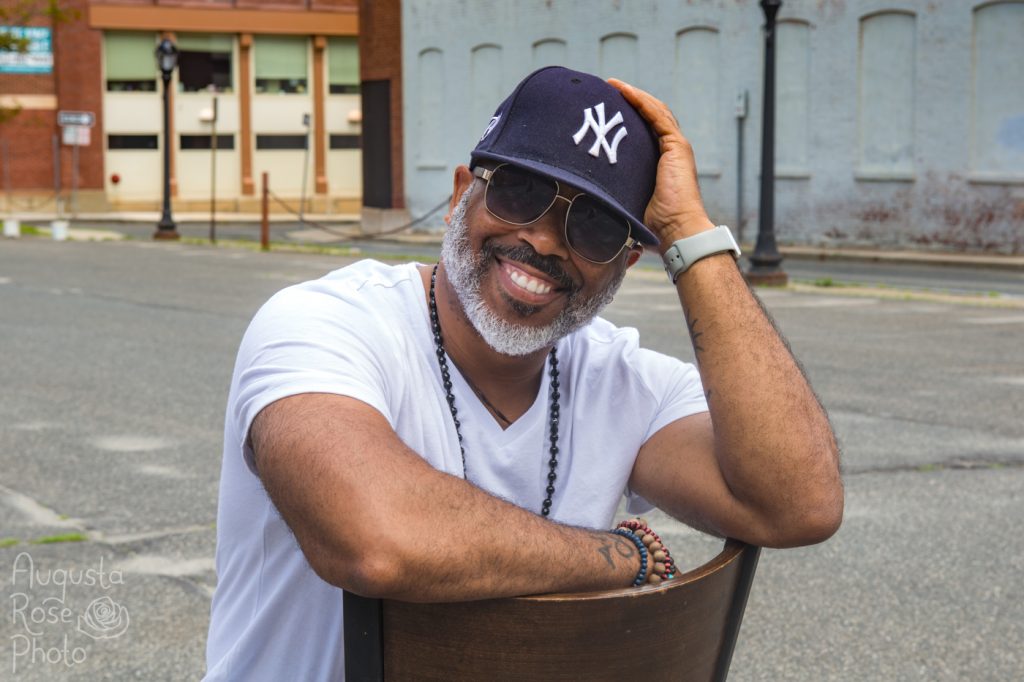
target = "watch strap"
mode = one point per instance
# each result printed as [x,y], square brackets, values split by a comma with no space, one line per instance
[685,252]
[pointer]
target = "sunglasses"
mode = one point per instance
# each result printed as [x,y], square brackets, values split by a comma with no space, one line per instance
[519,197]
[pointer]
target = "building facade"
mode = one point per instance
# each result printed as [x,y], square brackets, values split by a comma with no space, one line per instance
[261,87]
[898,122]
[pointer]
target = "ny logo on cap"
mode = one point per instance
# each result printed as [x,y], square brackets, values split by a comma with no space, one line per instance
[601,130]
[490,126]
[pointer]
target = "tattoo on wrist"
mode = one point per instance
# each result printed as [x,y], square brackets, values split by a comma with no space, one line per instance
[624,548]
[606,551]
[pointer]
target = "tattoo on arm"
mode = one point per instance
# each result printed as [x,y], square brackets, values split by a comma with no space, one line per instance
[606,552]
[695,335]
[624,548]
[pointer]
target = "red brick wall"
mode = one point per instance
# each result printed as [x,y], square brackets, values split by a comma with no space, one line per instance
[77,70]
[29,143]
[380,58]
[75,81]
[27,137]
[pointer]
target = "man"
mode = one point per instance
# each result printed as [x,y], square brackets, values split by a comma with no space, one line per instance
[466,430]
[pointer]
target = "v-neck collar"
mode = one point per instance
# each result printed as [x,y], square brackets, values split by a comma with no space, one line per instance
[468,401]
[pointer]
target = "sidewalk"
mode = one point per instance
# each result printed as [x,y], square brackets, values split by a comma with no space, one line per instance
[345,228]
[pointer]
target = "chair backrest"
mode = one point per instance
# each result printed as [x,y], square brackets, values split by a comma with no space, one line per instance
[684,629]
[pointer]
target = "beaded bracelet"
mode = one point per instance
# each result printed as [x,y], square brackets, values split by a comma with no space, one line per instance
[662,565]
[641,577]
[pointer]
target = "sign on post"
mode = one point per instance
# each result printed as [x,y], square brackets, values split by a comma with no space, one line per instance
[86,119]
[76,136]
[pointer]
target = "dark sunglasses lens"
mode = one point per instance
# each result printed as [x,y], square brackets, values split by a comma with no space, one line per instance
[593,231]
[519,196]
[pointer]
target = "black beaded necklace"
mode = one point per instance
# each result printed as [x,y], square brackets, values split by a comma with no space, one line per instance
[446,381]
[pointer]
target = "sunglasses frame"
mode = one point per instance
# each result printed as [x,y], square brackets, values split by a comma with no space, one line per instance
[486,174]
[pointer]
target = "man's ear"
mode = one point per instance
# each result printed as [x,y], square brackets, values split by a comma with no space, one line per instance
[634,255]
[463,179]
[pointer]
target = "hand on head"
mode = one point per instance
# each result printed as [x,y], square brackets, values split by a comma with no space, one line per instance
[676,209]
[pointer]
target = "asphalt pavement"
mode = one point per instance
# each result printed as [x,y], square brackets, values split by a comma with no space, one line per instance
[115,362]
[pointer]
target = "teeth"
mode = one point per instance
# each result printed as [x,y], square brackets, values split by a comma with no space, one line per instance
[529,283]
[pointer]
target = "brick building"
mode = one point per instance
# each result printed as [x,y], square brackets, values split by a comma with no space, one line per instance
[284,74]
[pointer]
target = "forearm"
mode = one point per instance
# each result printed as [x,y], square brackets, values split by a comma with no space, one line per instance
[773,440]
[376,519]
[446,540]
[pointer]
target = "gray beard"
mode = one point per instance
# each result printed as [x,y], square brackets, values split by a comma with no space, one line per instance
[466,273]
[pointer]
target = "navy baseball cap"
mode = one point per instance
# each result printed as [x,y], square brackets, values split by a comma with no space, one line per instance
[576,128]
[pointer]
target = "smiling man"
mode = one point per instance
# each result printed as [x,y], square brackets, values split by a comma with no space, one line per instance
[466,430]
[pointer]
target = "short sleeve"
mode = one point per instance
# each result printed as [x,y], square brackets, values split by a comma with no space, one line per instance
[676,388]
[305,340]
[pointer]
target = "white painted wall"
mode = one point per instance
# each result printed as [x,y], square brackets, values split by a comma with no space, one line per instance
[902,128]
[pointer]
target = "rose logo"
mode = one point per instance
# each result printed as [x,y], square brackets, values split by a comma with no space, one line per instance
[103,619]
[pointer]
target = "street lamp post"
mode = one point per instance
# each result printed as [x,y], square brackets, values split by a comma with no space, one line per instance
[765,262]
[166,60]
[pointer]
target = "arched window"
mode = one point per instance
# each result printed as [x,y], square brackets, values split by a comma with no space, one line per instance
[885,98]
[618,56]
[792,97]
[696,78]
[430,109]
[549,52]
[997,102]
[486,89]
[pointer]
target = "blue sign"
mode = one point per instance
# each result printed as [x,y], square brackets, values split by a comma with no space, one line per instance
[38,58]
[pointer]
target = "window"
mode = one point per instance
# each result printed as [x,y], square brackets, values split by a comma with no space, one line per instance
[430,109]
[131,142]
[618,56]
[204,63]
[886,98]
[997,103]
[548,51]
[189,142]
[342,65]
[697,75]
[792,99]
[130,61]
[277,142]
[281,65]
[486,90]
[343,141]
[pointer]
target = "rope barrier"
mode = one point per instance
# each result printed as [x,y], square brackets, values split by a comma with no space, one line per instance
[320,226]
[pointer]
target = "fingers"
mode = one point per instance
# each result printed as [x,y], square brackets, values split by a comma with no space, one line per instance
[650,107]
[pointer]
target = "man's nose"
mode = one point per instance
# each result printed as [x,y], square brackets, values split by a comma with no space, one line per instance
[547,234]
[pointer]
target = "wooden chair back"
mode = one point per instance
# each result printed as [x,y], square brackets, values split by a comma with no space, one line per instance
[685,629]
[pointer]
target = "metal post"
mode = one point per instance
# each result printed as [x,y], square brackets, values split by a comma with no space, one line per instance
[741,115]
[166,228]
[213,174]
[58,199]
[305,170]
[765,262]
[74,178]
[265,221]
[7,179]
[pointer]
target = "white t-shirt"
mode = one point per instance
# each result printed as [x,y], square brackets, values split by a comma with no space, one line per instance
[364,331]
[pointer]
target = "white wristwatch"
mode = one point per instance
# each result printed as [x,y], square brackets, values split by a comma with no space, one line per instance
[685,252]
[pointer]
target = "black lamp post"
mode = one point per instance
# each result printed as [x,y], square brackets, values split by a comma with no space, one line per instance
[765,262]
[167,60]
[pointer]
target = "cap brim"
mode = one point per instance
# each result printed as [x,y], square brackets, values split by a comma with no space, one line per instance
[639,231]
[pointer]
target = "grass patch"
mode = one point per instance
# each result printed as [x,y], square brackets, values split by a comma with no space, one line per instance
[929,467]
[32,231]
[64,537]
[8,542]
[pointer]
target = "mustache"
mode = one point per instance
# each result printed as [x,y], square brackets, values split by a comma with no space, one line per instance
[549,265]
